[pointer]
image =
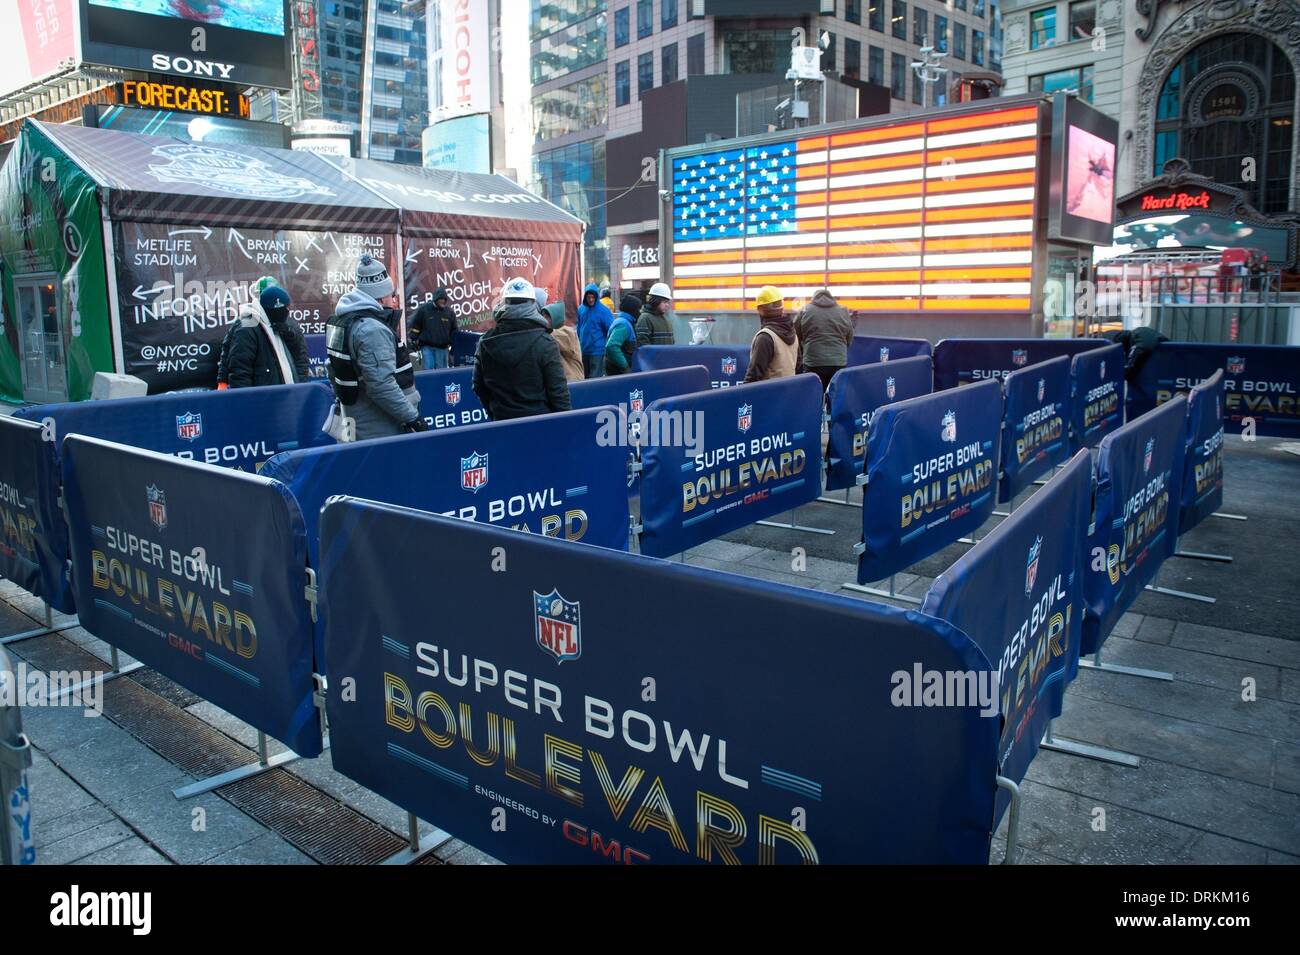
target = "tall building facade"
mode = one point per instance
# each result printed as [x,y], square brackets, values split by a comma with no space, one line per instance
[374,63]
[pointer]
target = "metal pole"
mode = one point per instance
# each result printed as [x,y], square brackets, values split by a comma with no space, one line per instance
[792,526]
[1096,664]
[1086,750]
[1013,819]
[413,850]
[40,631]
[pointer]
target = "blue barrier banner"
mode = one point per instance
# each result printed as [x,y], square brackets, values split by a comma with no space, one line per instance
[1260,382]
[749,454]
[447,398]
[558,475]
[1139,482]
[854,395]
[464,346]
[237,428]
[635,392]
[960,361]
[33,538]
[526,703]
[932,467]
[1202,492]
[1035,435]
[726,364]
[868,349]
[197,572]
[1018,594]
[1098,407]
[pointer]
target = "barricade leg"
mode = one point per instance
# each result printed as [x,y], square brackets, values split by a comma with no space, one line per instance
[1168,592]
[414,850]
[792,526]
[39,631]
[1199,555]
[1096,664]
[891,593]
[1013,820]
[1086,750]
[264,762]
[847,502]
[1229,517]
[116,671]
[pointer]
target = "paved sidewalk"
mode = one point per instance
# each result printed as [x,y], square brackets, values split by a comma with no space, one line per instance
[1219,780]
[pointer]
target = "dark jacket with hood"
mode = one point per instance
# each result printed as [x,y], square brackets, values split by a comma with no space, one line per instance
[1139,344]
[593,322]
[250,358]
[762,352]
[825,331]
[517,369]
[653,328]
[434,325]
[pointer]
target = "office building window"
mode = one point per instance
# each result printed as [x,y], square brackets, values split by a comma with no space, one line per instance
[755,51]
[853,11]
[977,8]
[959,41]
[1042,28]
[547,17]
[828,54]
[876,65]
[876,15]
[668,64]
[920,26]
[977,47]
[570,109]
[1078,80]
[898,76]
[898,19]
[645,18]
[645,74]
[852,58]
[918,89]
[695,55]
[1083,19]
[622,83]
[959,4]
[668,13]
[940,38]
[568,50]
[573,177]
[622,29]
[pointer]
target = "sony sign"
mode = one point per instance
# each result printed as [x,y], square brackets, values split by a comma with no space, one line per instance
[165,63]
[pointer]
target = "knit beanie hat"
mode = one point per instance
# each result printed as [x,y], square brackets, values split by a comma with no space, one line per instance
[629,303]
[373,278]
[275,302]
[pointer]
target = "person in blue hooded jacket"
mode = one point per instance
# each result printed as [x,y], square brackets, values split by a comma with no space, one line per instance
[594,320]
[622,341]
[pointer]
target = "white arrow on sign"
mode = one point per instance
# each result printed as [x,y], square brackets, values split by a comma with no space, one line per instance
[141,292]
[488,258]
[469,256]
[235,234]
[537,262]
[207,233]
[413,255]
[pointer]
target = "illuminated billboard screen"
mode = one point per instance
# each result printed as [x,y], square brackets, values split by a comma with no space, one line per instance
[1082,189]
[197,128]
[934,214]
[260,16]
[243,41]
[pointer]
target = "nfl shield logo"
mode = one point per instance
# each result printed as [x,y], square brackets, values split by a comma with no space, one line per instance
[452,394]
[729,366]
[189,426]
[636,399]
[890,389]
[884,353]
[558,625]
[474,472]
[157,506]
[1236,365]
[1151,447]
[744,417]
[949,431]
[1031,567]
[1019,356]
[1103,368]
[1042,388]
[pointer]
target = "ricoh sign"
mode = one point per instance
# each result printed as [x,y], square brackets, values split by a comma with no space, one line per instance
[465,40]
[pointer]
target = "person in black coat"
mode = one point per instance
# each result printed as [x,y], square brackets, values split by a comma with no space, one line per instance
[267,347]
[434,328]
[517,369]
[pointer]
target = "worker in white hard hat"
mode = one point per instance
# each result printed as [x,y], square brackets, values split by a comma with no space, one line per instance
[517,369]
[652,325]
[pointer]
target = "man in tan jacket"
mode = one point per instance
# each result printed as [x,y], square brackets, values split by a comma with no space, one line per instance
[566,336]
[774,352]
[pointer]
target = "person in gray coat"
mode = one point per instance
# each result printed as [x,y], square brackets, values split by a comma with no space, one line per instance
[825,331]
[370,369]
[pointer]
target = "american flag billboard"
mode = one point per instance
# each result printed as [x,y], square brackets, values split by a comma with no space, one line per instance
[934,213]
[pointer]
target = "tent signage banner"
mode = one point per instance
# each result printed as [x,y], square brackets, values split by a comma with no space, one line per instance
[174,315]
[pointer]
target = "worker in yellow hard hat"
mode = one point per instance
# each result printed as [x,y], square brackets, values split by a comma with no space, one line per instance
[774,353]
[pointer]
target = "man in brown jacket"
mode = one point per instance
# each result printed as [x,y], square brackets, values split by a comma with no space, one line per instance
[774,352]
[825,331]
[567,338]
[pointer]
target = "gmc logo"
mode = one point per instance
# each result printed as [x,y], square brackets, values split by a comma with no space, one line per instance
[183,64]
